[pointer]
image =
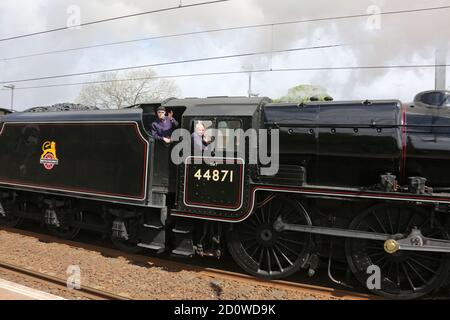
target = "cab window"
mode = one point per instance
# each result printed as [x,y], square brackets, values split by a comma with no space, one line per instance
[226,134]
[208,124]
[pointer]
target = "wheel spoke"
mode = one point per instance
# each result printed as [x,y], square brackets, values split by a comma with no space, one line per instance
[284,256]
[409,225]
[257,218]
[287,244]
[276,215]
[408,278]
[379,260]
[253,234]
[270,205]
[292,241]
[279,210]
[252,243]
[287,248]
[254,252]
[277,260]
[399,220]
[261,255]
[289,214]
[268,261]
[422,265]
[246,239]
[375,254]
[391,226]
[397,271]
[384,264]
[263,214]
[416,272]
[424,256]
[374,247]
[250,227]
[425,222]
[388,274]
[253,222]
[431,235]
[379,222]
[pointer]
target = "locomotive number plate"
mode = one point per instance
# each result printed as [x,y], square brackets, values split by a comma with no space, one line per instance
[214,183]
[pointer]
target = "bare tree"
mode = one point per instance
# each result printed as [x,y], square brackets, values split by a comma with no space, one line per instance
[115,92]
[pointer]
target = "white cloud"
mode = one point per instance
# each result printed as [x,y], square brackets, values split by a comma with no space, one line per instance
[402,39]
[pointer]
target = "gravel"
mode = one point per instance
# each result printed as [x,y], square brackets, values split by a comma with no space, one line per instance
[137,280]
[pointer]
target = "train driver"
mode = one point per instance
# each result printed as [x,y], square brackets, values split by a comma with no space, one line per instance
[163,126]
[199,139]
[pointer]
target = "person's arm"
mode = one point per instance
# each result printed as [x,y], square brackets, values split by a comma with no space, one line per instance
[172,119]
[174,123]
[197,141]
[155,134]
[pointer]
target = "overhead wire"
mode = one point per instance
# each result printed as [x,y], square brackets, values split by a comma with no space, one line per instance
[219,30]
[112,19]
[234,72]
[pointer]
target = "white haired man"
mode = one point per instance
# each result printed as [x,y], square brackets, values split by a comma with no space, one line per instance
[199,139]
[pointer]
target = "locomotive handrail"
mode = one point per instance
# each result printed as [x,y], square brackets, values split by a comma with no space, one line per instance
[297,125]
[334,125]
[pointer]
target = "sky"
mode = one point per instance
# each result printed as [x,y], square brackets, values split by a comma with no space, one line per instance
[396,39]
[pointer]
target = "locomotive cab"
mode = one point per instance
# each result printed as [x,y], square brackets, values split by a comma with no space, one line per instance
[213,183]
[163,169]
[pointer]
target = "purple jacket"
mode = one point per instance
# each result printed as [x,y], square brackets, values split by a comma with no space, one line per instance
[163,129]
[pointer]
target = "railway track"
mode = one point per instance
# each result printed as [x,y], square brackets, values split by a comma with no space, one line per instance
[45,279]
[288,285]
[213,273]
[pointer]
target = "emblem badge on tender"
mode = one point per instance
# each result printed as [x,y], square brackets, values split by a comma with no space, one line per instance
[48,157]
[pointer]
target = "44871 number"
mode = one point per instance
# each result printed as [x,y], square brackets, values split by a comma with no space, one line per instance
[215,175]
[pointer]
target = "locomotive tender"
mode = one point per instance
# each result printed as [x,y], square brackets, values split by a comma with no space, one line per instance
[366,183]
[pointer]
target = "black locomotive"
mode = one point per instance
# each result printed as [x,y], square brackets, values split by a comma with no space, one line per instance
[365,183]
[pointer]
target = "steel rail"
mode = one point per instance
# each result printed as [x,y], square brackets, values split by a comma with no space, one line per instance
[86,291]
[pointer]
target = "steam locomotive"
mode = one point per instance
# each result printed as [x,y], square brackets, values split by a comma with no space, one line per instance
[360,183]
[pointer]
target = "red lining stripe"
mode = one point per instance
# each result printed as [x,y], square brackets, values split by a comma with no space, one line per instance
[357,194]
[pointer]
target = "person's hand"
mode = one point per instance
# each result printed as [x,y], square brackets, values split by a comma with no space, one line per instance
[205,138]
[170,115]
[166,140]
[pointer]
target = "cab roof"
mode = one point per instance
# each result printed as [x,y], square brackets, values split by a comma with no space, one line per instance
[218,106]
